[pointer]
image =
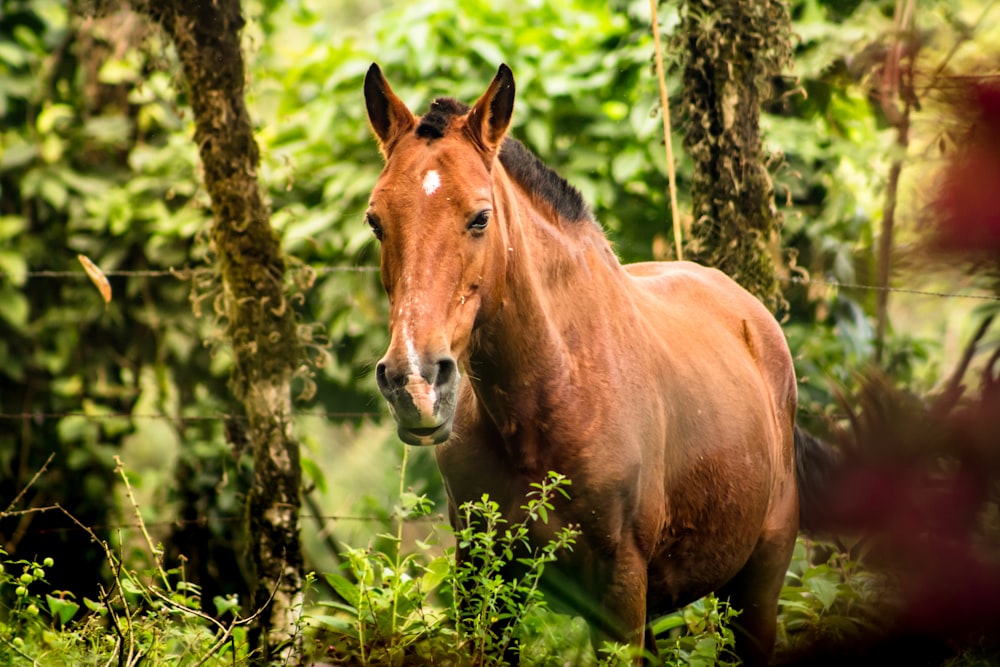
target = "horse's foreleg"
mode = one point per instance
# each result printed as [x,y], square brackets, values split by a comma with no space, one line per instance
[622,617]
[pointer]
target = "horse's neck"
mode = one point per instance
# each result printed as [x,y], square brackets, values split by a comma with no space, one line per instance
[552,310]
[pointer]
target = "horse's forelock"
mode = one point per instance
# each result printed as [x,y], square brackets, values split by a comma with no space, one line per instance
[435,122]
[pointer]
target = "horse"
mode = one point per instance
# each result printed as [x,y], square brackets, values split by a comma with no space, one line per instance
[520,344]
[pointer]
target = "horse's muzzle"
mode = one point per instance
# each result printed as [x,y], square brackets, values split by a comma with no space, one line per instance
[421,397]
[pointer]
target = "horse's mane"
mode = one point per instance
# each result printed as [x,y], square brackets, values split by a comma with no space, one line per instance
[523,165]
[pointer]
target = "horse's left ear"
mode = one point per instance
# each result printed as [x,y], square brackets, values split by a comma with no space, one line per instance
[490,116]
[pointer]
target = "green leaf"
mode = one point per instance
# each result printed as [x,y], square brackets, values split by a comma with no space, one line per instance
[226,605]
[115,71]
[12,54]
[313,472]
[14,307]
[824,589]
[95,607]
[62,609]
[53,115]
[341,625]
[16,156]
[667,623]
[435,573]
[11,226]
[626,165]
[346,588]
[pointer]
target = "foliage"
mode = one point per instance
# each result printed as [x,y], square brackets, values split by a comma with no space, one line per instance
[93,163]
[836,599]
[827,126]
[386,617]
[424,608]
[96,159]
[706,639]
[153,617]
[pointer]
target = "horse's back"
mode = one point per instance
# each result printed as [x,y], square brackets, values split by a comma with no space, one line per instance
[719,313]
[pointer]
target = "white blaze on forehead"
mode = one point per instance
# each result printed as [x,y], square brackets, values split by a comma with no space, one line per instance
[432,181]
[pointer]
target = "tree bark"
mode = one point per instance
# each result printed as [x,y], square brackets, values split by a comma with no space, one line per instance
[731,48]
[259,321]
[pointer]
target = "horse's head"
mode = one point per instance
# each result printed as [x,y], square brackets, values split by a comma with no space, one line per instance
[443,253]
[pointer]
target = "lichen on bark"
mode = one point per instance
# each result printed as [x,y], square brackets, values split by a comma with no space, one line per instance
[730,50]
[260,324]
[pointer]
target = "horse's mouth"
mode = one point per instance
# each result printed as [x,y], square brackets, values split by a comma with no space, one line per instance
[433,435]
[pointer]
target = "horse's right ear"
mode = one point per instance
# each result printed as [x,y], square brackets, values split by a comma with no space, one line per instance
[387,114]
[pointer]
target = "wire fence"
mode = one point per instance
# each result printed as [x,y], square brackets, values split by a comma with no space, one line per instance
[183,274]
[186,274]
[205,521]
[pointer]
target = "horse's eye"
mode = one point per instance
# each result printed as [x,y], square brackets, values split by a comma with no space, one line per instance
[479,221]
[375,224]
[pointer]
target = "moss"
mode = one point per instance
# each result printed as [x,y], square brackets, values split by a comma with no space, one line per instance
[260,324]
[732,49]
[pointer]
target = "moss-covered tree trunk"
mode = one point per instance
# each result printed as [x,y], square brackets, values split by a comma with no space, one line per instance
[730,49]
[260,322]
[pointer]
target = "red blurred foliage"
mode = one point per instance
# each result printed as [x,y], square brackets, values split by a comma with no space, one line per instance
[919,486]
[967,206]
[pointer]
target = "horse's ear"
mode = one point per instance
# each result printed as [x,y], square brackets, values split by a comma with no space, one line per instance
[387,114]
[490,116]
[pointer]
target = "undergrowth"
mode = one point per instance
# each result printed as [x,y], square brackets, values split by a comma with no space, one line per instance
[151,617]
[403,606]
[425,608]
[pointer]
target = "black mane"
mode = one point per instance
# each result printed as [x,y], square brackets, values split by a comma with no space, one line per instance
[523,165]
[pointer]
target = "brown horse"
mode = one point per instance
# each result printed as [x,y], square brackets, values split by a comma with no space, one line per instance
[521,345]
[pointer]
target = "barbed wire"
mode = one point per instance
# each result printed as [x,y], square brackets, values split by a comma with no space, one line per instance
[180,274]
[184,274]
[101,416]
[799,280]
[205,521]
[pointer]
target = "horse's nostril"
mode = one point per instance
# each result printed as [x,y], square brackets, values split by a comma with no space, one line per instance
[385,380]
[445,372]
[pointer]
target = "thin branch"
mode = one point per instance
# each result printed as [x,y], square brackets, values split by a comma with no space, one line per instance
[157,554]
[7,512]
[667,142]
[955,47]
[953,390]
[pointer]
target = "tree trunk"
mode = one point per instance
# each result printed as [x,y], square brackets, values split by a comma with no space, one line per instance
[260,322]
[731,48]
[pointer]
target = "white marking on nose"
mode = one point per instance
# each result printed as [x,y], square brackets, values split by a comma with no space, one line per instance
[411,352]
[432,181]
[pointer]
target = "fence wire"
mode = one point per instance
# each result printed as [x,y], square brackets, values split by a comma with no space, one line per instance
[184,274]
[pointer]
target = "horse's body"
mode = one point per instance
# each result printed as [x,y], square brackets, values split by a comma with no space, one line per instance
[663,391]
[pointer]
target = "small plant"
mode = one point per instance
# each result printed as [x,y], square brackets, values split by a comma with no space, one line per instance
[496,584]
[700,635]
[23,610]
[386,613]
[383,615]
[152,617]
[827,594]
